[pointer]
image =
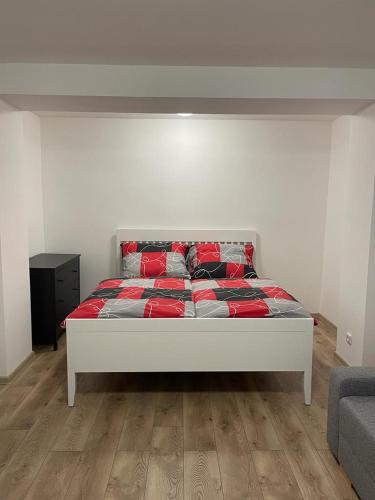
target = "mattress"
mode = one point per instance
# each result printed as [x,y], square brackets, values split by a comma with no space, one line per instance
[182,298]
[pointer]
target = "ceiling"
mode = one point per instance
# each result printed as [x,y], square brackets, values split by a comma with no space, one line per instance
[316,33]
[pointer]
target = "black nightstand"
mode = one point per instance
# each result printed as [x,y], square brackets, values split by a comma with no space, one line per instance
[55,292]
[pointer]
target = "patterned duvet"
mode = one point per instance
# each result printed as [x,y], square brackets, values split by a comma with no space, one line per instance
[181,298]
[244,298]
[138,298]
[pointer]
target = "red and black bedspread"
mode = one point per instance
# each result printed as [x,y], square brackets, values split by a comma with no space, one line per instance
[182,298]
[244,298]
[138,298]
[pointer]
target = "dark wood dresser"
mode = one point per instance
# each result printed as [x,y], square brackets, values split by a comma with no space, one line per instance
[55,292]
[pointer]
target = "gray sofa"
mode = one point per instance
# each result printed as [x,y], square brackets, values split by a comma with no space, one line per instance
[351,425]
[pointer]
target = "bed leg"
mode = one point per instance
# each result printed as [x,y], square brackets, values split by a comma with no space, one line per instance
[71,387]
[307,380]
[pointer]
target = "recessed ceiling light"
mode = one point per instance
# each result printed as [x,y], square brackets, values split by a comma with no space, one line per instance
[185,114]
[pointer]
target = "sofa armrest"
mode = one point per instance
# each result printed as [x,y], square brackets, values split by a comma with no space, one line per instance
[346,381]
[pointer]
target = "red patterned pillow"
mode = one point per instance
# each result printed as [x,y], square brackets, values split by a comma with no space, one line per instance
[221,260]
[154,259]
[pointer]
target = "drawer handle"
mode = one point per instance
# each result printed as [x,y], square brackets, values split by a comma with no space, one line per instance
[60,281]
[60,300]
[75,289]
[74,270]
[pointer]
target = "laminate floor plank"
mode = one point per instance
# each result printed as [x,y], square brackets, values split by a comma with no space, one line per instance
[139,423]
[165,478]
[307,467]
[167,441]
[323,362]
[39,366]
[75,432]
[21,470]
[276,478]
[197,421]
[237,470]
[168,411]
[165,471]
[23,384]
[257,423]
[202,476]
[9,441]
[313,419]
[94,467]
[322,334]
[338,476]
[328,329]
[28,411]
[128,476]
[54,476]
[10,400]
[311,475]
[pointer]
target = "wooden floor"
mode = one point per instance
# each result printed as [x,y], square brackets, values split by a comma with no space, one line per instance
[168,436]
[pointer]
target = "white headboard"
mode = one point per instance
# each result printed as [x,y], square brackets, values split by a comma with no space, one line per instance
[190,235]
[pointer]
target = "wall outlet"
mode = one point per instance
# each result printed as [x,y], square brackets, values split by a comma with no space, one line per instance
[349,338]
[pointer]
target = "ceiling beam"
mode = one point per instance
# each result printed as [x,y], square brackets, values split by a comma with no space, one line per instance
[197,106]
[186,81]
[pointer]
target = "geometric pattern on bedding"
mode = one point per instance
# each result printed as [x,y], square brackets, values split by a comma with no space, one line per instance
[156,259]
[244,298]
[138,298]
[180,298]
[221,260]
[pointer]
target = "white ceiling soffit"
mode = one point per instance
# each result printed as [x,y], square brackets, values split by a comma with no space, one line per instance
[172,116]
[208,90]
[121,105]
[185,81]
[315,33]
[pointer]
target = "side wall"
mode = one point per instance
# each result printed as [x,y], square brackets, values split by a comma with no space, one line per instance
[334,229]
[21,230]
[347,293]
[102,173]
[369,334]
[32,178]
[15,294]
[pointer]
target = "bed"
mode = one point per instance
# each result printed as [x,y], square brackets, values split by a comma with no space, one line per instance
[188,344]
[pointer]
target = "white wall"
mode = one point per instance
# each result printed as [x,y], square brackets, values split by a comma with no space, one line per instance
[347,293]
[3,356]
[32,181]
[15,327]
[101,173]
[369,333]
[21,230]
[336,209]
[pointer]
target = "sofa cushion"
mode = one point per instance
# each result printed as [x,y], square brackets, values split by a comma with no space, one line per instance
[357,426]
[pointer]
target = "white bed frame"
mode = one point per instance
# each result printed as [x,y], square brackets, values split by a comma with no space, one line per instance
[188,344]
